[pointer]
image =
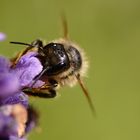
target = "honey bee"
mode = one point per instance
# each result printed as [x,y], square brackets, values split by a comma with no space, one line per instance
[64,63]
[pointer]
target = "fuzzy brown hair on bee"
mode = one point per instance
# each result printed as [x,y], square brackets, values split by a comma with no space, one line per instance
[64,63]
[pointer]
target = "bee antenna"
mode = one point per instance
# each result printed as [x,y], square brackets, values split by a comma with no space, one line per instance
[65,26]
[21,43]
[86,94]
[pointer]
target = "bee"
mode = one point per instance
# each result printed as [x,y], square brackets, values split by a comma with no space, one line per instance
[64,63]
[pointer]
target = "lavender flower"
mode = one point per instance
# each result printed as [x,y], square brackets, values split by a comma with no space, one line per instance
[7,86]
[2,36]
[15,99]
[12,81]
[15,138]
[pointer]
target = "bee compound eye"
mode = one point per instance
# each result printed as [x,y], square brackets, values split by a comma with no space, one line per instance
[76,59]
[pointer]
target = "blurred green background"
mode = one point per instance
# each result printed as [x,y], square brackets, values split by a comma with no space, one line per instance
[109,31]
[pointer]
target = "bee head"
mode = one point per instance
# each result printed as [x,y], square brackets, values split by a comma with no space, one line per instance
[54,59]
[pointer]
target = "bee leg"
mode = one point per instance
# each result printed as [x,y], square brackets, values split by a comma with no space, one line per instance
[40,93]
[35,44]
[15,60]
[46,86]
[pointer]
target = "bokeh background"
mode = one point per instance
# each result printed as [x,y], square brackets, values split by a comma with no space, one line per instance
[109,32]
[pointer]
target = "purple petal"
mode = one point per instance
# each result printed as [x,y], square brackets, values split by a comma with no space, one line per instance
[2,36]
[4,64]
[27,68]
[9,84]
[15,99]
[16,138]
[38,83]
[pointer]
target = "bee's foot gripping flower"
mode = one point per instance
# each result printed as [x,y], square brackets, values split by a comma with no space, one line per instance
[16,116]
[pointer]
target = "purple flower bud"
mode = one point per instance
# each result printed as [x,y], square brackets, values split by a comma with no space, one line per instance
[2,36]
